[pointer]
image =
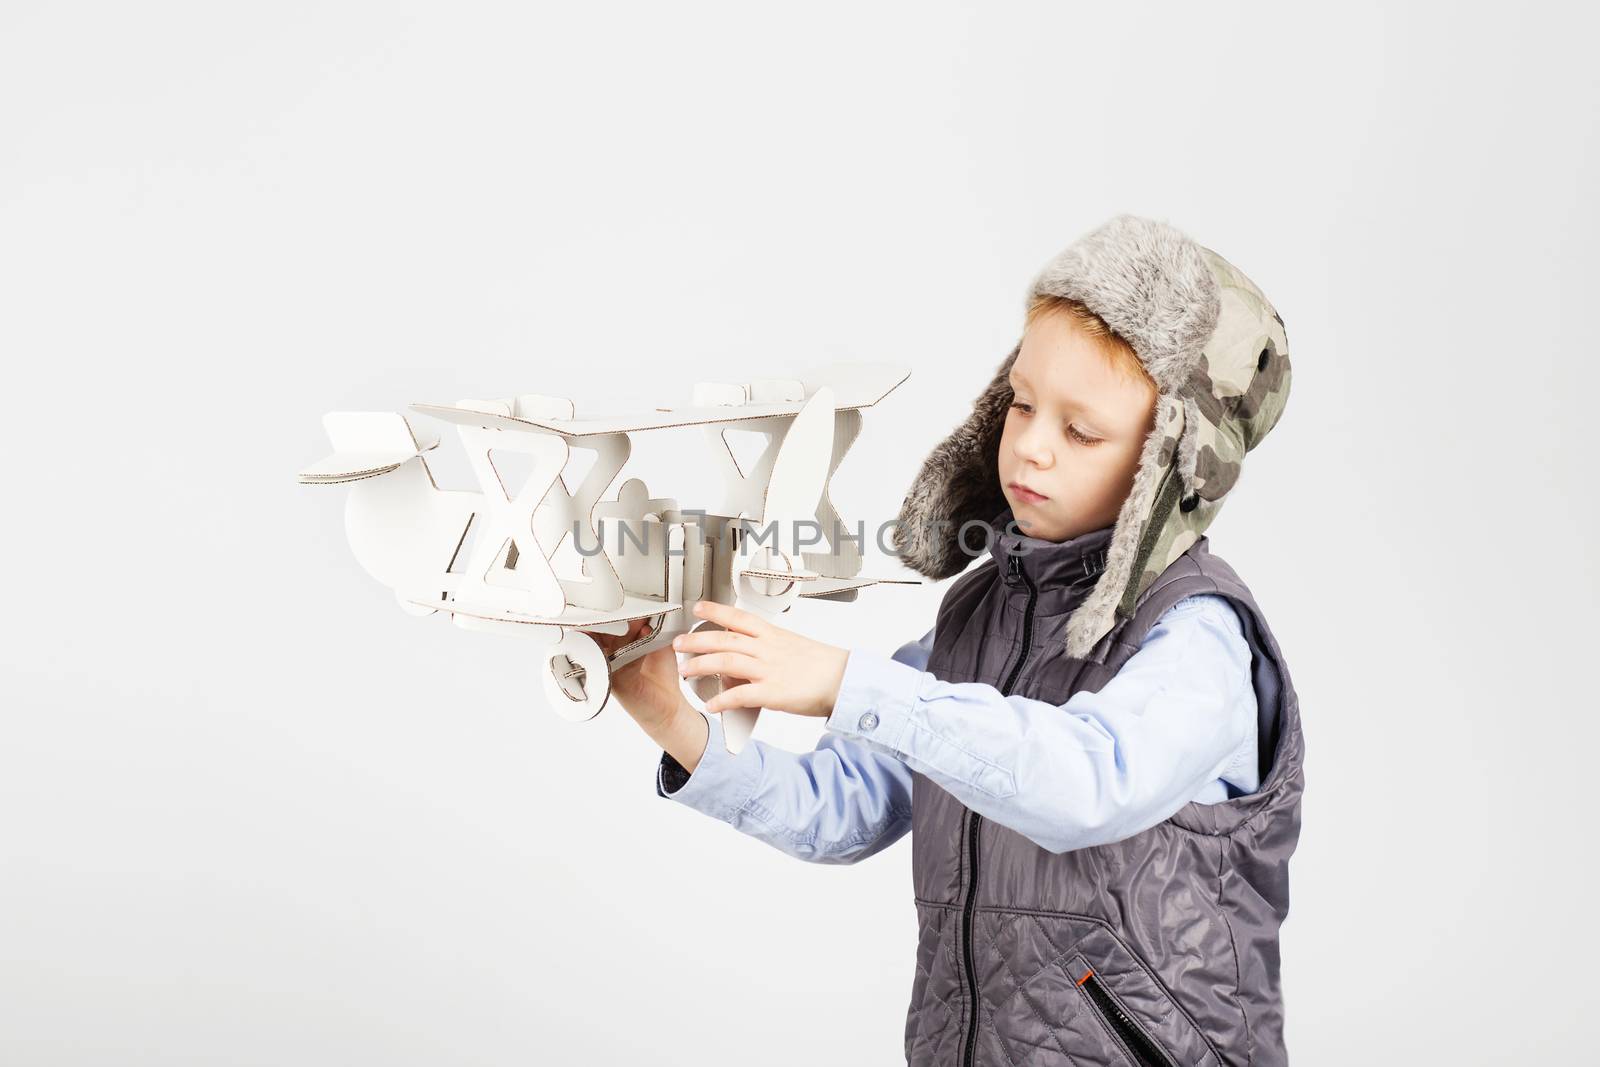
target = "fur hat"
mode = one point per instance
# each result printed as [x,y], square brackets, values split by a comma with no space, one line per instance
[1218,354]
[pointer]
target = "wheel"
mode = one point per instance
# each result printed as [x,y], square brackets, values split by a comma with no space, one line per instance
[773,594]
[577,679]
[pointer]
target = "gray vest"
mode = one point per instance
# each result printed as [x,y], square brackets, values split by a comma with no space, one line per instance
[1161,948]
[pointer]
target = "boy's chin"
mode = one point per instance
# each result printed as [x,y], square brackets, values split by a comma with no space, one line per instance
[1030,524]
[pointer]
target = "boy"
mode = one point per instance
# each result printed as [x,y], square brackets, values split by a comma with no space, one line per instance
[1097,747]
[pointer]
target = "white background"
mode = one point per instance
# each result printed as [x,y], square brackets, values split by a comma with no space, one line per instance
[251,813]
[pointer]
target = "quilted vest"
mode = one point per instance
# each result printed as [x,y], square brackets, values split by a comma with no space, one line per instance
[1161,948]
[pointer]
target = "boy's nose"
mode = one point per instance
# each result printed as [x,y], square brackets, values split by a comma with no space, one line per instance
[1032,451]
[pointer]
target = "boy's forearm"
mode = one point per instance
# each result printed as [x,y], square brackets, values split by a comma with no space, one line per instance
[837,804]
[684,737]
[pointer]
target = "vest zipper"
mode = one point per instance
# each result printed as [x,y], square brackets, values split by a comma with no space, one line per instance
[1145,1051]
[975,820]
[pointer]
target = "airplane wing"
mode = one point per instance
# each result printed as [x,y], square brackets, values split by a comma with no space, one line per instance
[608,424]
[824,587]
[572,617]
[855,385]
[367,444]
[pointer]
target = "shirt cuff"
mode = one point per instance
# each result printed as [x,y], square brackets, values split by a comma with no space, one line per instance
[876,698]
[721,782]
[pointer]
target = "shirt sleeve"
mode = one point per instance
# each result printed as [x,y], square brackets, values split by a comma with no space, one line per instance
[840,803]
[1104,765]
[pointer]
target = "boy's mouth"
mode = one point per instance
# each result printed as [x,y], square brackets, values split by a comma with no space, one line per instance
[1027,494]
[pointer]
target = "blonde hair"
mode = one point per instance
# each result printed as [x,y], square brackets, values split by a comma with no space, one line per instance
[1118,352]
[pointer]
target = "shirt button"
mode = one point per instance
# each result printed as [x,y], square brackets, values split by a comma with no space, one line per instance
[869,722]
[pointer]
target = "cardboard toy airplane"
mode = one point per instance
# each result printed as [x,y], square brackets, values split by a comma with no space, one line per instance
[484,556]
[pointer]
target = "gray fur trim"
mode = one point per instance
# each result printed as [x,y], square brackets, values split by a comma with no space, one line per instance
[1150,283]
[1094,618]
[958,482]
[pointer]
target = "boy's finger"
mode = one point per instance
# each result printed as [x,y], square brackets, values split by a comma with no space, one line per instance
[713,641]
[748,695]
[607,642]
[721,663]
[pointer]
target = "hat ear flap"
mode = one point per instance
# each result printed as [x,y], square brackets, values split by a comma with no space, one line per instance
[1139,523]
[1188,447]
[959,482]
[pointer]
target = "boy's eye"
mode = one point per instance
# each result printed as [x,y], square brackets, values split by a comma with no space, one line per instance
[1081,437]
[1072,431]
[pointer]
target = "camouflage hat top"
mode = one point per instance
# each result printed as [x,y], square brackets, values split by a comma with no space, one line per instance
[1218,354]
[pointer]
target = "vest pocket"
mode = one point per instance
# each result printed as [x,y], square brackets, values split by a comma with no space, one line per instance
[1136,1041]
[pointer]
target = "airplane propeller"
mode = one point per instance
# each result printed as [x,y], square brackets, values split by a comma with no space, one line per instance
[799,475]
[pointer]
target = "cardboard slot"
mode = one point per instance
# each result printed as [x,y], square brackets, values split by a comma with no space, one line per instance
[746,448]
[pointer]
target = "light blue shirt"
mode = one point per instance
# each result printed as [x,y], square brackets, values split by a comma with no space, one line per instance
[1176,724]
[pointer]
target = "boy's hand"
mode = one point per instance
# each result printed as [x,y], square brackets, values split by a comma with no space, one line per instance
[649,687]
[650,691]
[770,666]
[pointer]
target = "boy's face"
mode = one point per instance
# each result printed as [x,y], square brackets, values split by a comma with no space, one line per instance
[1073,433]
